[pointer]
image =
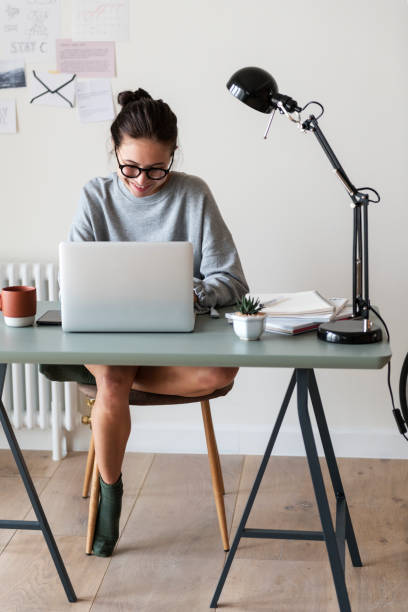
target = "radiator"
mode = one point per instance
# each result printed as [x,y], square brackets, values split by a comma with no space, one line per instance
[31,400]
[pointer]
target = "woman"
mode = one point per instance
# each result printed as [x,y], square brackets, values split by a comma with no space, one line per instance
[145,201]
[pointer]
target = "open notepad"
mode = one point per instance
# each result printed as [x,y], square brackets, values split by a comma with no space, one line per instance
[296,304]
[295,313]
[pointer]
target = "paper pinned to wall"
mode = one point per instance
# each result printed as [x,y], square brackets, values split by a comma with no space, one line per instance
[29,28]
[8,120]
[12,73]
[94,100]
[99,20]
[86,59]
[52,89]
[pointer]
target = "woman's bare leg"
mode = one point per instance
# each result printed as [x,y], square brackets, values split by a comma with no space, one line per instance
[110,413]
[182,380]
[111,417]
[111,427]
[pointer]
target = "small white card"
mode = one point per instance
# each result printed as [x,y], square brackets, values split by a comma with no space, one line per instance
[94,100]
[8,121]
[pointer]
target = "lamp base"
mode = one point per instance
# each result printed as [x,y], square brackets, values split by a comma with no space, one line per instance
[349,331]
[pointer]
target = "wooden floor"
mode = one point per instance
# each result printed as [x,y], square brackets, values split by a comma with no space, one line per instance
[169,555]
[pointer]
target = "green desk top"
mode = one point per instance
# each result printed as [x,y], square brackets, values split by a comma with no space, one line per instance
[213,343]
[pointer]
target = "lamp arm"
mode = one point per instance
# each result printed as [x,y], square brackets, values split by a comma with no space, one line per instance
[360,200]
[312,125]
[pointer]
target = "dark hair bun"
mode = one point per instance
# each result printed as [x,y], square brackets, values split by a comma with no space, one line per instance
[124,97]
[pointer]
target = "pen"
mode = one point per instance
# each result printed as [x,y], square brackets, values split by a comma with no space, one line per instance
[270,302]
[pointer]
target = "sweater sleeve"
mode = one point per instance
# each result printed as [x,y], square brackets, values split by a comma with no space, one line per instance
[81,229]
[222,281]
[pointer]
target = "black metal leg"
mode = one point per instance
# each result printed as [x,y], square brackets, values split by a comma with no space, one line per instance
[253,493]
[42,523]
[335,557]
[335,539]
[343,519]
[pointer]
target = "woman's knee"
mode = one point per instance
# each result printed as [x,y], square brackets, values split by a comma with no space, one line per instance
[212,379]
[113,380]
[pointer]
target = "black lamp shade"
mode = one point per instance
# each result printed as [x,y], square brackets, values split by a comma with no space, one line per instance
[255,87]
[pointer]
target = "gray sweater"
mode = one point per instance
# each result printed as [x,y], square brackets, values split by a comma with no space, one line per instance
[183,209]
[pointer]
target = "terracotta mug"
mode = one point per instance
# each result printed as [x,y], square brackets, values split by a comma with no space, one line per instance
[19,305]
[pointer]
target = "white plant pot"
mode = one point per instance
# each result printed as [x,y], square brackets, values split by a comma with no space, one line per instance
[248,327]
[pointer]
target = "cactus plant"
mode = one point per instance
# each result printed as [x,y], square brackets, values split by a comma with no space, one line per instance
[249,305]
[249,321]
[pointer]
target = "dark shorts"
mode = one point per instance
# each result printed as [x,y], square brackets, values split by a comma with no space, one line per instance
[67,373]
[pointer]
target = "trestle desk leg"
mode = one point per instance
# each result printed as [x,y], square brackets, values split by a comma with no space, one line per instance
[344,525]
[303,377]
[254,491]
[41,523]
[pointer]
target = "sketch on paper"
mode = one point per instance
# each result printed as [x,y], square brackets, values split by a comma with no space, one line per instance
[50,89]
[100,20]
[12,74]
[29,28]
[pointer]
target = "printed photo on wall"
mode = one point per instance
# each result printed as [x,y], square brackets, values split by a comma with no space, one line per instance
[12,74]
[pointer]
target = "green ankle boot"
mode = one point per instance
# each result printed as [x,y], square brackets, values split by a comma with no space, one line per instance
[107,522]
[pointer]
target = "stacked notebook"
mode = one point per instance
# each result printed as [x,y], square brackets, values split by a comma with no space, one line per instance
[302,311]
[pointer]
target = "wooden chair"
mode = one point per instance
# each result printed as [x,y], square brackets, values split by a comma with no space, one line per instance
[140,398]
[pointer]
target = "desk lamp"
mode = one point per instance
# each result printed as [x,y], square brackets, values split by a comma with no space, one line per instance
[258,89]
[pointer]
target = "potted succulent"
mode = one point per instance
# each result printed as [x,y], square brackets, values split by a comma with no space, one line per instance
[249,321]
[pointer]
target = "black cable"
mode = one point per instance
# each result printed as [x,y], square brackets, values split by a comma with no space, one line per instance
[360,189]
[403,388]
[318,104]
[400,420]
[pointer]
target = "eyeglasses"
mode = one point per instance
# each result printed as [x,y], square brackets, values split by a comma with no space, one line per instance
[133,171]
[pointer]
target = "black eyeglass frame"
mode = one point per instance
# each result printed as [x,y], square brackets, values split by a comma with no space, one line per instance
[147,170]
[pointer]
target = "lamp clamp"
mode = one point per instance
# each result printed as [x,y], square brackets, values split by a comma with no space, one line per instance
[310,124]
[362,306]
[359,198]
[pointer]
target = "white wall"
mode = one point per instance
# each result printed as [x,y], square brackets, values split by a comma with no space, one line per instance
[289,215]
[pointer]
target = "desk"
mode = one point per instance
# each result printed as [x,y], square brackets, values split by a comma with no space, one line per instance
[213,343]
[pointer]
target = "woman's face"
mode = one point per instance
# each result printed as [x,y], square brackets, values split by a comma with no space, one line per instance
[147,154]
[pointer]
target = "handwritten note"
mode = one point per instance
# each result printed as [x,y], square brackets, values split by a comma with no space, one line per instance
[29,28]
[100,20]
[86,59]
[8,122]
[94,100]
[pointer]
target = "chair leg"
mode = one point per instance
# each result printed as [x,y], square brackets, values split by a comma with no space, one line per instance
[212,443]
[93,508]
[216,473]
[219,470]
[86,420]
[89,467]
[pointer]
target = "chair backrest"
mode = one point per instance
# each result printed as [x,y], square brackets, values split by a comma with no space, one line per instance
[403,389]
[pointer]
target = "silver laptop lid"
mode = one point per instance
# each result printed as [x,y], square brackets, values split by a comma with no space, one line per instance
[126,286]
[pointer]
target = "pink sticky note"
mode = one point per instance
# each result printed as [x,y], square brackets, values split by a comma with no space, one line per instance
[86,59]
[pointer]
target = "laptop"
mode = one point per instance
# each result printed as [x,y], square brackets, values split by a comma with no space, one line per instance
[126,286]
